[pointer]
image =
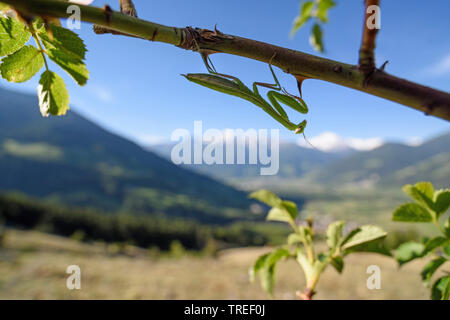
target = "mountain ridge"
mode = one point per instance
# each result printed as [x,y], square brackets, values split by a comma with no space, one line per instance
[72,160]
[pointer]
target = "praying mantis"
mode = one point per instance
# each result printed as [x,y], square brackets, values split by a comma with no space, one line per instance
[222,83]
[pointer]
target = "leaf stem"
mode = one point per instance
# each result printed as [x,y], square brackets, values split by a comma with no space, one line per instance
[38,43]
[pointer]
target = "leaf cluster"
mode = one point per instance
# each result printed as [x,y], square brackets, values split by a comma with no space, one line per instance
[22,61]
[314,10]
[429,206]
[300,245]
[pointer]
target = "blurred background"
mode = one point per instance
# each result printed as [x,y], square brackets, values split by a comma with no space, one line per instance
[96,188]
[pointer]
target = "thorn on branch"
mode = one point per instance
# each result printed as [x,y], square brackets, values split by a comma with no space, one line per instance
[383,66]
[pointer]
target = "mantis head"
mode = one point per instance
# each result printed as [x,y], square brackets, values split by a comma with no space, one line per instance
[301,127]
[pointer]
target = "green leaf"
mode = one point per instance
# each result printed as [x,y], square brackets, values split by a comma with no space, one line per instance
[65,40]
[22,65]
[441,289]
[53,95]
[291,208]
[376,246]
[276,256]
[322,9]
[286,211]
[366,234]
[434,243]
[446,250]
[421,192]
[301,235]
[441,201]
[409,251]
[257,266]
[67,50]
[279,214]
[334,234]
[266,197]
[337,263]
[294,238]
[267,275]
[431,268]
[447,227]
[13,36]
[412,212]
[267,278]
[303,17]
[316,38]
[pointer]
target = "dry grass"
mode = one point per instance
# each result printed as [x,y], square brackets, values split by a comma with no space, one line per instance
[32,266]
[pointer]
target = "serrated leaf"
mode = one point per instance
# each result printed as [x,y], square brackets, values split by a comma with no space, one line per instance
[337,263]
[266,197]
[431,268]
[75,68]
[366,234]
[52,94]
[409,251]
[67,50]
[412,212]
[303,17]
[22,65]
[441,289]
[64,40]
[322,9]
[334,234]
[316,38]
[13,36]
[441,201]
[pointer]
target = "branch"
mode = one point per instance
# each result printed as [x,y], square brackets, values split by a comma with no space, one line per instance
[366,52]
[301,65]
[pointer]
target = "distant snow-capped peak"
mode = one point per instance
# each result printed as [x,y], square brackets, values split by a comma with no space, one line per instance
[332,142]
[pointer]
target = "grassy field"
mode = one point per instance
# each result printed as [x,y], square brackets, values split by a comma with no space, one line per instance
[32,266]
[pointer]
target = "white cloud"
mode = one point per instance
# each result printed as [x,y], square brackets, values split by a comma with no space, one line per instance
[102,93]
[150,139]
[331,142]
[440,68]
[414,141]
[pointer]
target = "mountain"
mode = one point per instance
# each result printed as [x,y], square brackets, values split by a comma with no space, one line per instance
[392,164]
[72,161]
[294,161]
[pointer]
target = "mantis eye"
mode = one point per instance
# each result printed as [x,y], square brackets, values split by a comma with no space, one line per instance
[299,130]
[301,127]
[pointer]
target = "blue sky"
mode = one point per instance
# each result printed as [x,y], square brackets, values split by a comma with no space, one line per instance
[136,90]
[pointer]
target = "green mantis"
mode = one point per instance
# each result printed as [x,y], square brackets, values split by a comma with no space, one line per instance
[222,83]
